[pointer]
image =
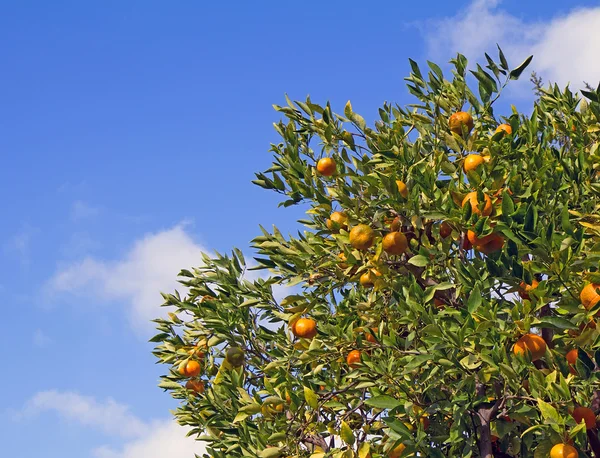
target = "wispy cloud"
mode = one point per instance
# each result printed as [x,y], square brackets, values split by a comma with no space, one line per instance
[154,439]
[147,269]
[563,48]
[19,245]
[40,339]
[81,210]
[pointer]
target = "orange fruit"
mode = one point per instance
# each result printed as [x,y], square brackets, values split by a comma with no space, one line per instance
[472,199]
[495,244]
[326,166]
[366,280]
[445,230]
[190,368]
[589,297]
[395,243]
[371,337]
[472,162]
[525,288]
[305,328]
[195,385]
[460,120]
[587,414]
[343,259]
[353,358]
[506,128]
[531,343]
[337,221]
[572,356]
[563,451]
[395,224]
[397,451]
[479,241]
[362,237]
[402,189]
[235,356]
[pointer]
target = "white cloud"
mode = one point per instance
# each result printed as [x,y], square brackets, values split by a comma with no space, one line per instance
[163,439]
[40,339]
[156,439]
[110,417]
[20,244]
[150,267]
[81,210]
[564,47]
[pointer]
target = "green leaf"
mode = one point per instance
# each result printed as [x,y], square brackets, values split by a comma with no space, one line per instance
[503,62]
[169,385]
[556,322]
[271,452]
[418,260]
[548,412]
[514,74]
[474,300]
[348,109]
[346,433]
[311,398]
[383,402]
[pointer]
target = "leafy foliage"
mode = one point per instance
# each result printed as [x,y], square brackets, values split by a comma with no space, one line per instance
[437,374]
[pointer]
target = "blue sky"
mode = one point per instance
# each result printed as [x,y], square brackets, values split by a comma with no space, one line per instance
[130,132]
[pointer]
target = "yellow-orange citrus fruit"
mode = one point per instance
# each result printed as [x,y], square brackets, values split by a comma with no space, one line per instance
[371,337]
[531,343]
[337,221]
[305,328]
[472,199]
[478,241]
[589,297]
[343,259]
[506,128]
[495,244]
[190,368]
[326,166]
[366,280]
[459,120]
[235,356]
[353,358]
[587,414]
[397,451]
[524,288]
[563,451]
[472,162]
[395,224]
[402,189]
[195,385]
[362,237]
[445,230]
[572,356]
[395,243]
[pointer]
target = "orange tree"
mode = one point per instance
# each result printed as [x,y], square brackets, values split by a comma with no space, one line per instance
[443,291]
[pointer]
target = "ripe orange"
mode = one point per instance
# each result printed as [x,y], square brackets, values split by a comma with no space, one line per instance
[445,230]
[353,358]
[362,237]
[326,166]
[342,257]
[589,297]
[506,128]
[459,120]
[472,162]
[395,243]
[395,224]
[305,328]
[190,368]
[195,385]
[472,199]
[495,244]
[371,337]
[563,451]
[479,241]
[572,356]
[531,343]
[402,189]
[584,413]
[397,451]
[366,280]
[235,356]
[525,288]
[337,221]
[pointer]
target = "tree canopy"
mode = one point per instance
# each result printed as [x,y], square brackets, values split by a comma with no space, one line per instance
[443,289]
